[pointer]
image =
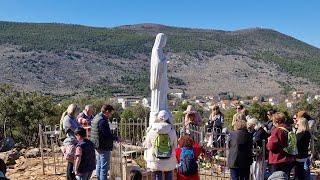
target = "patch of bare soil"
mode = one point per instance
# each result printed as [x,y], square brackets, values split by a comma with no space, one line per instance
[31,168]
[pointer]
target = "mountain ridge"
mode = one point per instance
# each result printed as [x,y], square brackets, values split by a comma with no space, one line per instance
[124,51]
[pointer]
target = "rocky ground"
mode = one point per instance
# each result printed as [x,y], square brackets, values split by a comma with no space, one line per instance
[31,168]
[237,74]
[26,166]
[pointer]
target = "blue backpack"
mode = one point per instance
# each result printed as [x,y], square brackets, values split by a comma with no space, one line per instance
[188,165]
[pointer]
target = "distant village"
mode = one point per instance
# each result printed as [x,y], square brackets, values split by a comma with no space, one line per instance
[225,100]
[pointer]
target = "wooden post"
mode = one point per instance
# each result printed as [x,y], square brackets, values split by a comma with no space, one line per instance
[53,153]
[41,147]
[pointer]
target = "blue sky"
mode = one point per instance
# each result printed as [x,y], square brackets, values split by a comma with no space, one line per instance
[298,18]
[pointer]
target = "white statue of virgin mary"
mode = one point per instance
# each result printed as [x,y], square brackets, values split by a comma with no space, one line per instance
[158,78]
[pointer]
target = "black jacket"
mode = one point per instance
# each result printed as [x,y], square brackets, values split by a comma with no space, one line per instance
[259,136]
[303,141]
[240,149]
[101,135]
[88,158]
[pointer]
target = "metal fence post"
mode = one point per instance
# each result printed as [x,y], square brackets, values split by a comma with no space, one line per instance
[264,164]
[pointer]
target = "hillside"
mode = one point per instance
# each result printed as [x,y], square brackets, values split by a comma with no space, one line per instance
[74,60]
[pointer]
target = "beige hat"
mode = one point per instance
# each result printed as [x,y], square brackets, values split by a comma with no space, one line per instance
[190,110]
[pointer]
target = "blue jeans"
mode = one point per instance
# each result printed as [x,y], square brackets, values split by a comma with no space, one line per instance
[84,176]
[70,173]
[157,175]
[103,164]
[302,170]
[306,168]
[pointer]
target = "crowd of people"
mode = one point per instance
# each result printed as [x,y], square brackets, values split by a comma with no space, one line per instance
[287,145]
[88,143]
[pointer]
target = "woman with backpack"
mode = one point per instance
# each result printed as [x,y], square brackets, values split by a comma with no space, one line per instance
[302,169]
[187,154]
[161,142]
[279,159]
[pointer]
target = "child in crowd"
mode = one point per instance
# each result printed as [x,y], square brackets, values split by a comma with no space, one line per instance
[85,161]
[188,168]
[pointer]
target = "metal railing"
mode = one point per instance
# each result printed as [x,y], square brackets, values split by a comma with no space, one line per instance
[129,154]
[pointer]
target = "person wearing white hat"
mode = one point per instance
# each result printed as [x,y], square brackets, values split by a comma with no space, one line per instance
[158,161]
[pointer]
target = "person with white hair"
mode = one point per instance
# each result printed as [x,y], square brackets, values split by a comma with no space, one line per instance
[251,123]
[86,116]
[69,125]
[161,142]
[69,121]
[260,136]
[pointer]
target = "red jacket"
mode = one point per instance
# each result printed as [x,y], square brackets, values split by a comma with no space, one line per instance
[197,151]
[276,142]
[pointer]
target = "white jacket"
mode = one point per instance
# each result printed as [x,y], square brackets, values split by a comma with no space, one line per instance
[153,163]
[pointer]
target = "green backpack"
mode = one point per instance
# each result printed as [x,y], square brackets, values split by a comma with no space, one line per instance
[162,146]
[292,142]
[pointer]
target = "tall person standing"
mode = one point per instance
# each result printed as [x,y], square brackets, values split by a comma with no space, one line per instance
[240,151]
[103,139]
